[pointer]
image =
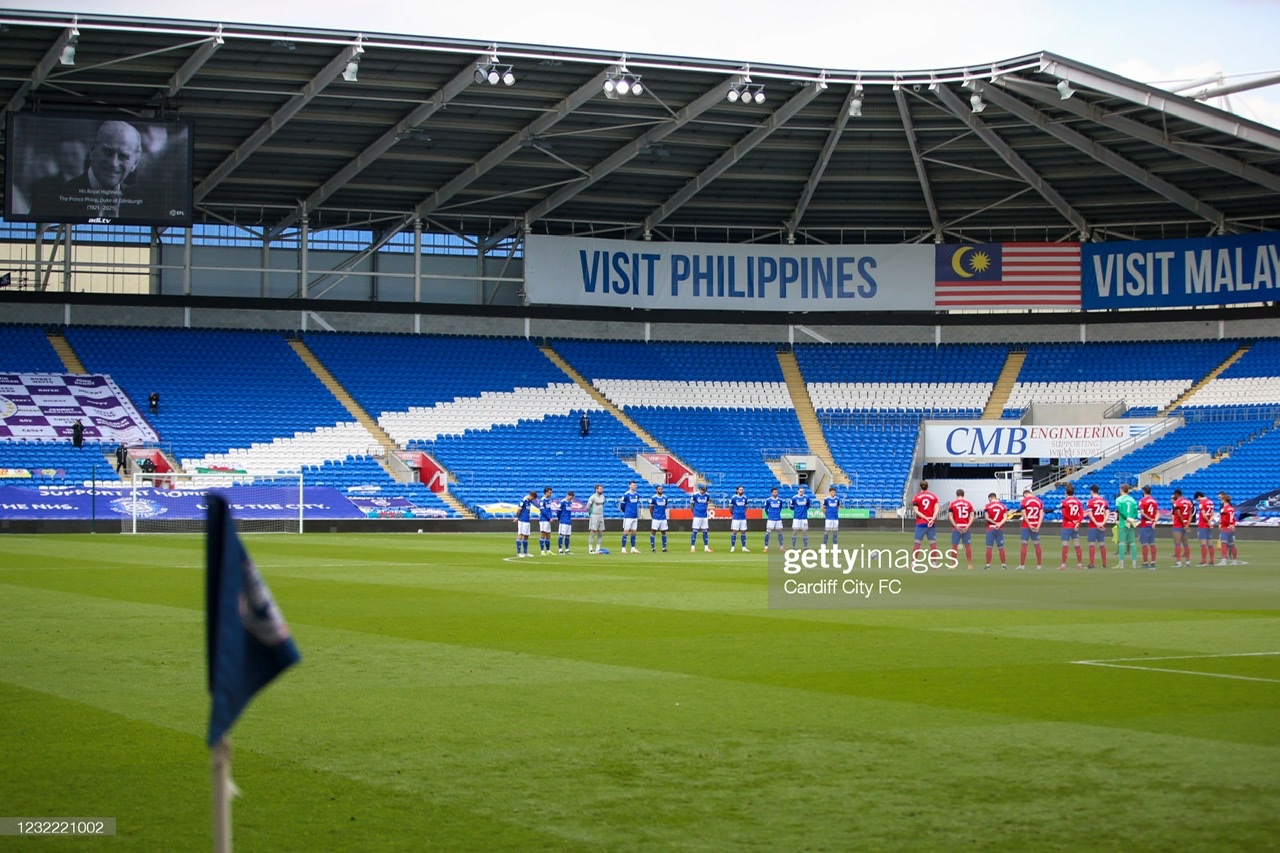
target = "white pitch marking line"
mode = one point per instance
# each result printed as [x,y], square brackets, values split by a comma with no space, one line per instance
[1183,657]
[1115,663]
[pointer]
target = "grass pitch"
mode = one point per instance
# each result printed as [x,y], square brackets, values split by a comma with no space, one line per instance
[452,698]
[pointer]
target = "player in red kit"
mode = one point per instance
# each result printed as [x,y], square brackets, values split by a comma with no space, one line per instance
[1148,515]
[962,514]
[1072,515]
[1227,531]
[927,507]
[1204,528]
[1032,517]
[1183,510]
[996,513]
[1096,512]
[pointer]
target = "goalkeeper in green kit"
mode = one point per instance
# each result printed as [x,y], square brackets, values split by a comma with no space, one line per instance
[1126,521]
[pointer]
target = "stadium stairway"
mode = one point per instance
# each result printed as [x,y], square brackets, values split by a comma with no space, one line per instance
[607,404]
[357,411]
[1208,377]
[808,416]
[1004,385]
[69,358]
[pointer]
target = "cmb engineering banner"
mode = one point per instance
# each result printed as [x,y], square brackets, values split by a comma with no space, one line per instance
[728,277]
[1009,441]
[1180,273]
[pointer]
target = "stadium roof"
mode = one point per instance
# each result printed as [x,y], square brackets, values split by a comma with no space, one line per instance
[373,130]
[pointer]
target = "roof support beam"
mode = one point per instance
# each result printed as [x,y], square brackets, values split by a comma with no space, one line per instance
[1013,160]
[42,70]
[925,189]
[1103,155]
[815,174]
[1165,102]
[511,145]
[193,64]
[618,159]
[726,160]
[1207,156]
[383,144]
[278,120]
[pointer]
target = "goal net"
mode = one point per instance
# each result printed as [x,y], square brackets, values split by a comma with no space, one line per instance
[174,502]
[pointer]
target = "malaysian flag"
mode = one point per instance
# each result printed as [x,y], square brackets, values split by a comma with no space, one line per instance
[1007,275]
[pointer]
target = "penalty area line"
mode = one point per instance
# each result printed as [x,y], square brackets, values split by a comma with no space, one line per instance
[1123,663]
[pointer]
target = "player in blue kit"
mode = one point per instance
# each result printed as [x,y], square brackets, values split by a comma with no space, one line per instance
[738,522]
[700,503]
[658,519]
[629,504]
[546,514]
[831,515]
[565,514]
[522,523]
[773,516]
[800,503]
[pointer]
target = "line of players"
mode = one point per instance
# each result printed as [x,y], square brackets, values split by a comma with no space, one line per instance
[1131,515]
[552,510]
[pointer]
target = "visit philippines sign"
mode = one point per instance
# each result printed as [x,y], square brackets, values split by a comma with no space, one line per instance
[728,277]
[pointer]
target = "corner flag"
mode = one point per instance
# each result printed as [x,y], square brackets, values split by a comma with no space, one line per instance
[248,640]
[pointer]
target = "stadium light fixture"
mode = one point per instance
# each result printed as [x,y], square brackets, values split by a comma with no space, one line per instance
[492,74]
[491,71]
[352,72]
[619,82]
[743,90]
[1064,90]
[746,94]
[977,103]
[68,54]
[855,103]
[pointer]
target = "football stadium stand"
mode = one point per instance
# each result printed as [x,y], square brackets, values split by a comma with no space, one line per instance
[495,412]
[723,408]
[503,418]
[871,398]
[1252,380]
[26,349]
[1146,376]
[218,389]
[235,400]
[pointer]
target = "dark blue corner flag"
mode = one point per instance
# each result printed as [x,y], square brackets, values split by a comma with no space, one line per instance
[248,641]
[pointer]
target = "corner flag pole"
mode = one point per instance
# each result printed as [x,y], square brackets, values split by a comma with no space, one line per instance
[248,644]
[223,791]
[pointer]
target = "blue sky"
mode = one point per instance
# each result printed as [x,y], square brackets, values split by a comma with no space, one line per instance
[1149,41]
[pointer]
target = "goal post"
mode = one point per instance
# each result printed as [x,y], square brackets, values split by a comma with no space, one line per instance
[174,502]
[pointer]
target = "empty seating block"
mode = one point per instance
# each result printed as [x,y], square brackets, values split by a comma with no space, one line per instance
[720,408]
[26,349]
[218,389]
[1251,381]
[1147,375]
[496,412]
